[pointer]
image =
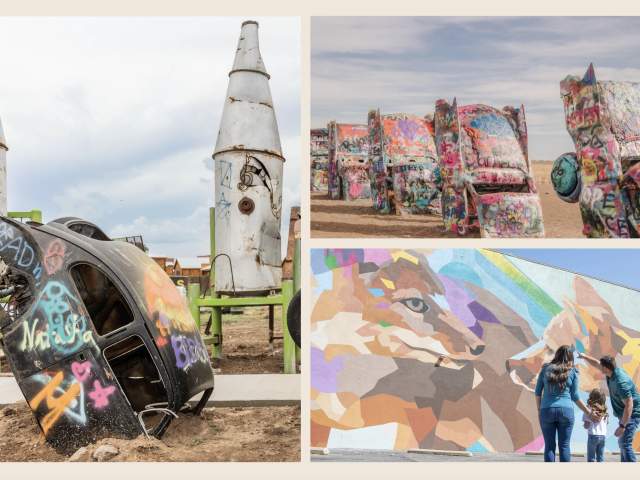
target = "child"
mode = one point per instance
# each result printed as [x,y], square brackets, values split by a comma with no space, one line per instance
[597,403]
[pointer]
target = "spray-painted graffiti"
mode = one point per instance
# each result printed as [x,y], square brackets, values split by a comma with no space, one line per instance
[172,318]
[441,349]
[487,181]
[54,258]
[319,150]
[188,351]
[12,243]
[404,172]
[57,323]
[415,187]
[603,121]
[100,394]
[348,157]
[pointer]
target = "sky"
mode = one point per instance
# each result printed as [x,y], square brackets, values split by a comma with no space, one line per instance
[405,64]
[115,119]
[614,265]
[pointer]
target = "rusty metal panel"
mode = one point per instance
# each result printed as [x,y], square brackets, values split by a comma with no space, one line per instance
[487,182]
[603,120]
[348,161]
[319,149]
[248,178]
[3,172]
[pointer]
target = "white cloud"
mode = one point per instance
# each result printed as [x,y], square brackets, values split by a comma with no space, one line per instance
[113,119]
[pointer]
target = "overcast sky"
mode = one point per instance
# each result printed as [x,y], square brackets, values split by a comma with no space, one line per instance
[404,64]
[115,119]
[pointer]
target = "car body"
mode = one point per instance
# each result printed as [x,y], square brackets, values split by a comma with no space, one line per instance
[99,340]
[603,174]
[486,173]
[319,150]
[348,161]
[403,165]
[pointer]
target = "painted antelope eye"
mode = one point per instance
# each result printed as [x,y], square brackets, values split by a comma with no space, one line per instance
[415,304]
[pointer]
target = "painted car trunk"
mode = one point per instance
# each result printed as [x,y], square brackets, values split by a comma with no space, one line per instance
[319,159]
[248,178]
[603,119]
[403,164]
[348,161]
[487,181]
[96,334]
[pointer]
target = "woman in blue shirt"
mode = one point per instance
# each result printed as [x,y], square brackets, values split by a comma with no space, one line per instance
[556,392]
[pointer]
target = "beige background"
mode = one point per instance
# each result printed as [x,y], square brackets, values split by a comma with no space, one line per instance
[326,471]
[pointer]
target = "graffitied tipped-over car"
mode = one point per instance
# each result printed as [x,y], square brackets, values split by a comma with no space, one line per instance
[348,161]
[99,340]
[403,164]
[487,183]
[319,150]
[603,174]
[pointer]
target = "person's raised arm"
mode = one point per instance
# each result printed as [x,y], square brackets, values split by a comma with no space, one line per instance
[592,360]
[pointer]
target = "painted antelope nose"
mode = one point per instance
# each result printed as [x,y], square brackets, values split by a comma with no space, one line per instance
[477,350]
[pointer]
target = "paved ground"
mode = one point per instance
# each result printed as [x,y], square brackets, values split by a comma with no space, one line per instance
[230,390]
[349,455]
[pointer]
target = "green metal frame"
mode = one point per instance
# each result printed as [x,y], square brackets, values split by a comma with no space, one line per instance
[216,303]
[33,215]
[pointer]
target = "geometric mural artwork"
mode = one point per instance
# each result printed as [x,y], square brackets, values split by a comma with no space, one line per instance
[441,348]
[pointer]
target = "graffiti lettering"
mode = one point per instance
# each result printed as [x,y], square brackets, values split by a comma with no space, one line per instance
[188,351]
[56,405]
[54,258]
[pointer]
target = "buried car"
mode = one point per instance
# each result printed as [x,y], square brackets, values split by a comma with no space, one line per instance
[99,340]
[348,162]
[486,173]
[603,174]
[403,164]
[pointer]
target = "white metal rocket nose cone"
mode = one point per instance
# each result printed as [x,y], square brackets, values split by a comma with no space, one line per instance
[248,120]
[248,56]
[3,140]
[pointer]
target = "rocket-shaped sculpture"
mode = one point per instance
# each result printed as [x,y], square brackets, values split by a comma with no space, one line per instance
[248,178]
[3,172]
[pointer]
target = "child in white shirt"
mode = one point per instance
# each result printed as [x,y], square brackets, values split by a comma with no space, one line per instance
[597,404]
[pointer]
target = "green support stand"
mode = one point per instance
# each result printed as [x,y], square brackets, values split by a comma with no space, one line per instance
[216,303]
[33,215]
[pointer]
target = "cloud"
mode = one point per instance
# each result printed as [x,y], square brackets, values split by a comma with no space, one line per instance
[405,64]
[115,119]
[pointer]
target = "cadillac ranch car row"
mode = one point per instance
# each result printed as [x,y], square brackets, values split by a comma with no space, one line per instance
[469,164]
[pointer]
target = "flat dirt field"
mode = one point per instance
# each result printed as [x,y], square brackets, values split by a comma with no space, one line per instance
[341,219]
[240,434]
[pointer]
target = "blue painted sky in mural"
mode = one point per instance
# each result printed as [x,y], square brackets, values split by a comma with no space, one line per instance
[620,266]
[404,64]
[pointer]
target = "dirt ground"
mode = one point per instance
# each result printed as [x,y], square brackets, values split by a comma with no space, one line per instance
[240,434]
[245,343]
[341,219]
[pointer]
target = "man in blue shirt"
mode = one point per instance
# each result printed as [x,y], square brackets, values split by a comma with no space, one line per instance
[625,401]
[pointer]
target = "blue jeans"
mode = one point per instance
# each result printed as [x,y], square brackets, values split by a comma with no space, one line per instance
[595,448]
[556,420]
[625,441]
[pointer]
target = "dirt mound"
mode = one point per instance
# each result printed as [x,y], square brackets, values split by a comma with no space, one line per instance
[270,434]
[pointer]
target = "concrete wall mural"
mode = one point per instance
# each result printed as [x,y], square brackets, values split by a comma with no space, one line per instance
[441,348]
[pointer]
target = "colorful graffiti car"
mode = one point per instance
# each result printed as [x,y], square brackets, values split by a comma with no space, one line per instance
[403,165]
[348,161]
[319,150]
[486,173]
[603,174]
[99,340]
